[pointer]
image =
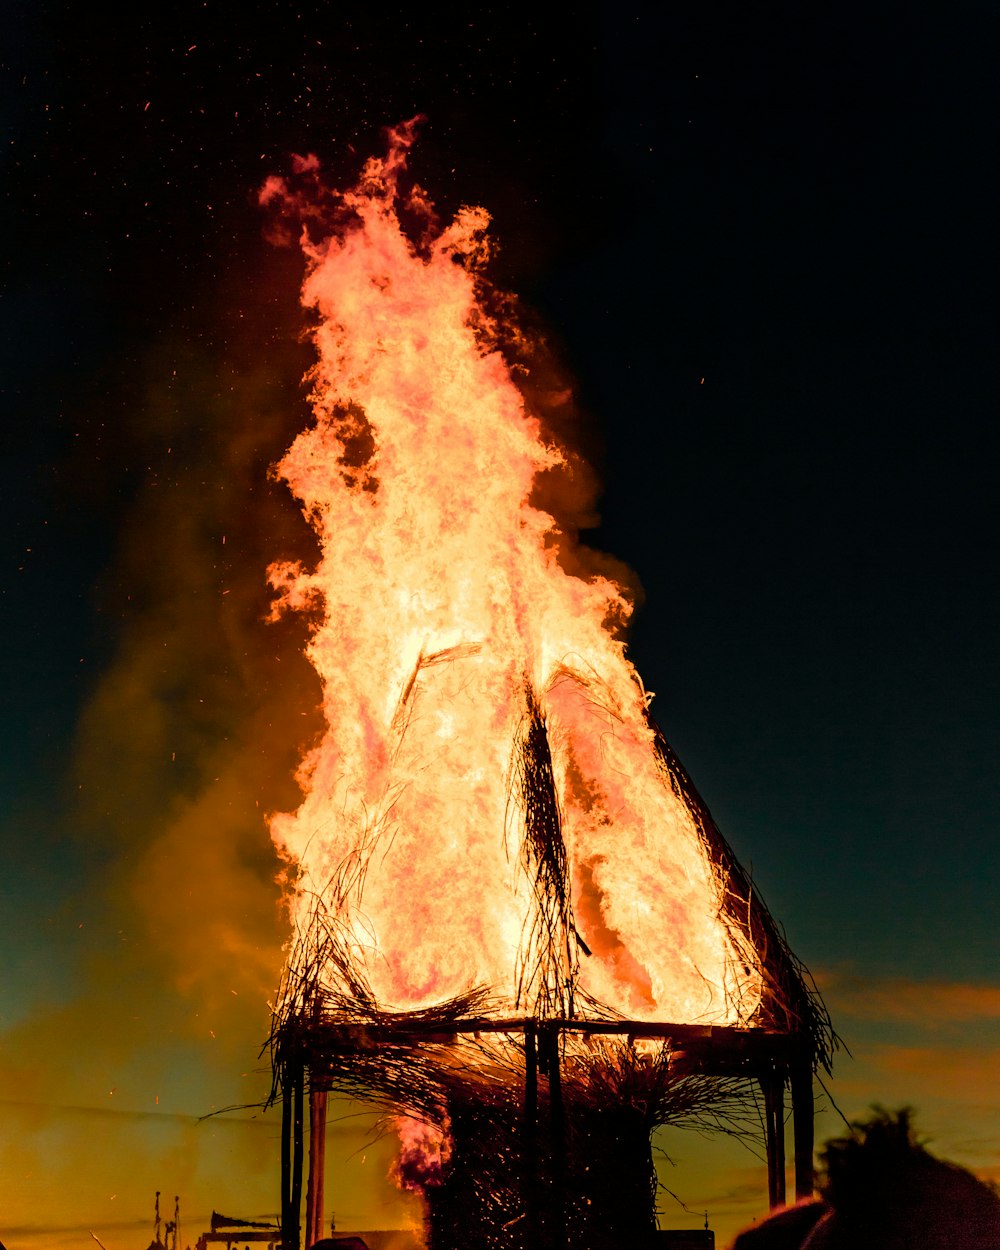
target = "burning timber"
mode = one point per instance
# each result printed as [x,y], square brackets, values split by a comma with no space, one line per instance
[545,1118]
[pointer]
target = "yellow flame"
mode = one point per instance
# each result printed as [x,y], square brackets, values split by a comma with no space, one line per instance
[441,594]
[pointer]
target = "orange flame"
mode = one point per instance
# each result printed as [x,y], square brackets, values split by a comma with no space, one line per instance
[441,595]
[424,1153]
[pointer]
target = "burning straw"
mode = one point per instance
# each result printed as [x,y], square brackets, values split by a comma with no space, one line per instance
[511,1161]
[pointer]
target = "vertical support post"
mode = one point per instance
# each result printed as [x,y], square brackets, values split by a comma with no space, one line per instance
[558,1115]
[286,1161]
[803,1126]
[530,1153]
[294,1234]
[317,1165]
[779,1135]
[773,1086]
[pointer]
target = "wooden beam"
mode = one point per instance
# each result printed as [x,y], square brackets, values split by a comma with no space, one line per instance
[779,1136]
[773,1088]
[317,1165]
[286,1162]
[532,1194]
[558,1232]
[803,1128]
[715,1050]
[295,1195]
[398,1028]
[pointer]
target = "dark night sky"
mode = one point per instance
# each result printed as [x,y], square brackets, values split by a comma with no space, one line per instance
[763,240]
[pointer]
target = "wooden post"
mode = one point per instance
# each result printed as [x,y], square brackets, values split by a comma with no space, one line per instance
[286,1162]
[558,1114]
[317,1165]
[773,1087]
[530,1153]
[779,1135]
[294,1234]
[803,1127]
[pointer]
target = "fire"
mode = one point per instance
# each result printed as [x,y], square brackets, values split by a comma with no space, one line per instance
[424,1153]
[453,617]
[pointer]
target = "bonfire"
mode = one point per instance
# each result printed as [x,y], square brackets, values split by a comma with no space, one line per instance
[515,925]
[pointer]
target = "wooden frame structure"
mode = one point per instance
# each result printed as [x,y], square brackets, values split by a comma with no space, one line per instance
[329,1032]
[774,1061]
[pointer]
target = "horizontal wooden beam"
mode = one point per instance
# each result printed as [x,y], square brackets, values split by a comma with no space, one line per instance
[715,1049]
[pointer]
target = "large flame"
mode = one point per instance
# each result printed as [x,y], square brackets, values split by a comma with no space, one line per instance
[446,623]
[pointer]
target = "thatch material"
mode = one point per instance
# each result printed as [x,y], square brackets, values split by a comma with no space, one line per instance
[791,1003]
[323,975]
[542,1103]
[549,962]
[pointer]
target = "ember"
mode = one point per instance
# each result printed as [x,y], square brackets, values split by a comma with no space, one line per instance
[514,921]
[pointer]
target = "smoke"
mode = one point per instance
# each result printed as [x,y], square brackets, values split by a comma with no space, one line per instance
[191,731]
[185,741]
